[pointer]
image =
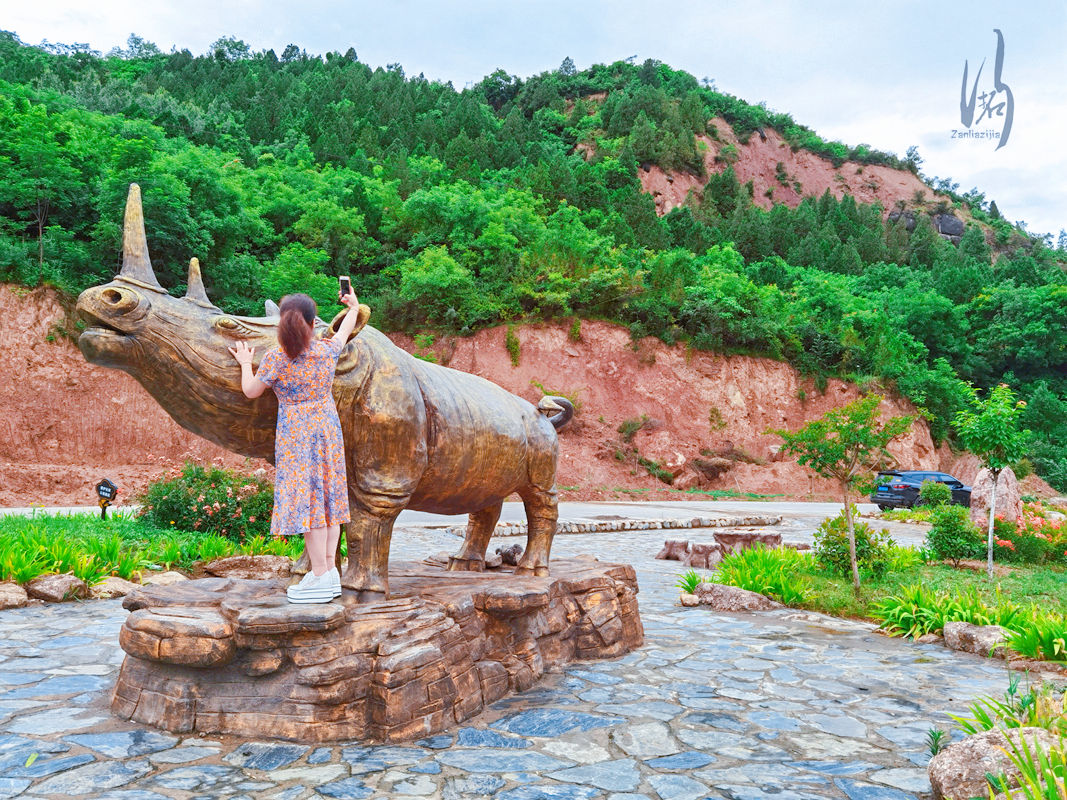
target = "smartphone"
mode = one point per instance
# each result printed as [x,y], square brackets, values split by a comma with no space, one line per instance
[346,285]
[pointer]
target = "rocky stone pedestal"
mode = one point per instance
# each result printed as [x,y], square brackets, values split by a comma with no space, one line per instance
[226,655]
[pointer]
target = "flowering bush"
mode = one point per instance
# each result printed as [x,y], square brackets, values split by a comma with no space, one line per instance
[210,500]
[1036,539]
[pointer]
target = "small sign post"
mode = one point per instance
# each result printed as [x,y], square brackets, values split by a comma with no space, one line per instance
[106,491]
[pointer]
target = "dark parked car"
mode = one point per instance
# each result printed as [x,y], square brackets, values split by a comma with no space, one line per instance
[900,489]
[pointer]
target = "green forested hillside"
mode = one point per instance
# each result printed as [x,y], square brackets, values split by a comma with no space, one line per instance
[458,209]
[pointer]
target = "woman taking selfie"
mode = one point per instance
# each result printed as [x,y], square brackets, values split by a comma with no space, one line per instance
[310,488]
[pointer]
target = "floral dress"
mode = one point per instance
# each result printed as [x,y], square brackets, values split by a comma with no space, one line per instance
[310,489]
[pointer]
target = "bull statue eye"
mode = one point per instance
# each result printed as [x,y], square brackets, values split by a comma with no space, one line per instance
[232,327]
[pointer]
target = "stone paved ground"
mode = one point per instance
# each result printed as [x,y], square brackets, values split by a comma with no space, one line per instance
[780,705]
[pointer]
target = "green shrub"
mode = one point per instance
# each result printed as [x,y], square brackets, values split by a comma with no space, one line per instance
[1041,773]
[423,343]
[1044,637]
[953,536]
[656,470]
[933,493]
[689,580]
[211,500]
[776,573]
[831,546]
[575,332]
[1035,707]
[511,342]
[630,427]
[900,558]
[916,610]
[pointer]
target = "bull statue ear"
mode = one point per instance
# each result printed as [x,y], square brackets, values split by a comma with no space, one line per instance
[270,309]
[136,264]
[195,291]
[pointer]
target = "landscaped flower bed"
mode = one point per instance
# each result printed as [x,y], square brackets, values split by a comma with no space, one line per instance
[93,549]
[908,592]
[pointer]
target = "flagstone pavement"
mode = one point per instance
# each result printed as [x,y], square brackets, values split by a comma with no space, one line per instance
[786,704]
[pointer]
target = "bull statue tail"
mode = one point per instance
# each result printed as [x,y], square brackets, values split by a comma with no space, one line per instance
[559,410]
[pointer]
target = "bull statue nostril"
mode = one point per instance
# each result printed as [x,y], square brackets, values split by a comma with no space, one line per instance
[112,296]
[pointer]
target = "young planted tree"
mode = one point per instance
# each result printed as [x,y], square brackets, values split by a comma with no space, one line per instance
[847,445]
[990,430]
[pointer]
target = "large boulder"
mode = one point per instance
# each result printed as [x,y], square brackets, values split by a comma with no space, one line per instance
[982,640]
[907,218]
[57,588]
[958,772]
[1009,499]
[689,479]
[12,595]
[949,225]
[168,578]
[730,598]
[112,587]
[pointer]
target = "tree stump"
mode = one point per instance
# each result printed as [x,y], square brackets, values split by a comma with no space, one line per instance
[674,550]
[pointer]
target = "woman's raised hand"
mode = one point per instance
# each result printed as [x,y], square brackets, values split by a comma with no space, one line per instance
[349,299]
[242,353]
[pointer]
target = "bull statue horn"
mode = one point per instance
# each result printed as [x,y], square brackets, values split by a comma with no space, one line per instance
[136,265]
[270,309]
[195,284]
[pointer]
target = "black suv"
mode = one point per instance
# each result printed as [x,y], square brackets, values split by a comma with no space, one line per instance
[901,489]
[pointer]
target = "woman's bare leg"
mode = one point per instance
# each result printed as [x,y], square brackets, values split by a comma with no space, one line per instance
[315,547]
[333,537]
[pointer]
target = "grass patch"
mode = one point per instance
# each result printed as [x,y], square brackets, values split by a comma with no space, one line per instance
[911,597]
[724,494]
[94,549]
[1043,586]
[917,514]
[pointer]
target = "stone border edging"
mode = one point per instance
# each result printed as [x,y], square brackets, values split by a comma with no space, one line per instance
[607,526]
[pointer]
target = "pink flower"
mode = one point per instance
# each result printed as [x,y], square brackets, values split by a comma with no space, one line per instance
[251,519]
[1006,543]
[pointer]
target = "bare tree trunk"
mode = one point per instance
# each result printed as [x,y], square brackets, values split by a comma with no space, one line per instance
[992,513]
[42,215]
[851,541]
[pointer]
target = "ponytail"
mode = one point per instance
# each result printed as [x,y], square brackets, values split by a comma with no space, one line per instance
[296,325]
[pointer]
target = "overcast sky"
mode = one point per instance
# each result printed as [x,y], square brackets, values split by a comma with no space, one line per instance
[888,74]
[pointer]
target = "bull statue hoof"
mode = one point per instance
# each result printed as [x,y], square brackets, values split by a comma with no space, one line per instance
[456,564]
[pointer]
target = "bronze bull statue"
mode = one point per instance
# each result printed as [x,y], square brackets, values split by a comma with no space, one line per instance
[417,435]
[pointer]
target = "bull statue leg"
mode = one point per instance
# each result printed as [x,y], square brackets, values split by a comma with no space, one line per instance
[541,516]
[480,527]
[369,535]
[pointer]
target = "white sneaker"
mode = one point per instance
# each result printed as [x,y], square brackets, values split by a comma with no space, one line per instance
[312,589]
[335,582]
